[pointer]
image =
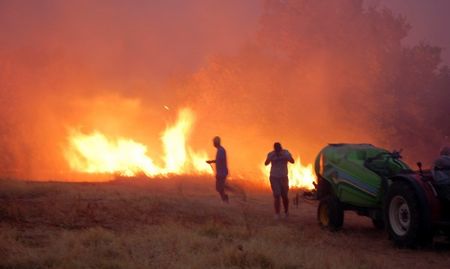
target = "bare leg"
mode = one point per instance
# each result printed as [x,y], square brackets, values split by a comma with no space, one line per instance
[276,204]
[220,187]
[284,194]
[285,203]
[224,196]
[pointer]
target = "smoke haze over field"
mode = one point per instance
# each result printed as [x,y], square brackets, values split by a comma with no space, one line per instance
[429,21]
[303,72]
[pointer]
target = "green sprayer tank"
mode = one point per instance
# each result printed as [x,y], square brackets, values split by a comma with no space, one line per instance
[357,172]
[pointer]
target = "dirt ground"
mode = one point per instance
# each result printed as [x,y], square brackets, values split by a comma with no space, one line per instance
[181,223]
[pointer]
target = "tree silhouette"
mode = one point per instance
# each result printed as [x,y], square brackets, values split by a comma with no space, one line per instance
[333,71]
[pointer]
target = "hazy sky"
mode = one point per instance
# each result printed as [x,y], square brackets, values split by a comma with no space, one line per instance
[236,23]
[429,19]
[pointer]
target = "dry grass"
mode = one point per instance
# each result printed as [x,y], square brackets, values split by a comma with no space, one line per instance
[180,223]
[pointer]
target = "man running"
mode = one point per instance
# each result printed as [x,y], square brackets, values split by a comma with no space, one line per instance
[279,180]
[221,168]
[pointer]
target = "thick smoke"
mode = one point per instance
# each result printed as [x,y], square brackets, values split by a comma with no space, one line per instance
[303,72]
[101,65]
[327,71]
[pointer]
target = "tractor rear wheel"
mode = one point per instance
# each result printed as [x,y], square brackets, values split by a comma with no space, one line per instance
[330,213]
[402,214]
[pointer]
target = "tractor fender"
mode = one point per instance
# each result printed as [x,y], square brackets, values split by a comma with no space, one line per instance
[423,194]
[323,187]
[318,164]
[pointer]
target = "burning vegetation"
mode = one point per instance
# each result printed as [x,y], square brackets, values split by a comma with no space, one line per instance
[98,90]
[94,95]
[96,154]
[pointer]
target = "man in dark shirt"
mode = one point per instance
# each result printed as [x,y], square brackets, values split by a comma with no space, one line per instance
[441,168]
[221,168]
[279,180]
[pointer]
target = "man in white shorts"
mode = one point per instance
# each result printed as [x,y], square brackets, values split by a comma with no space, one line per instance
[279,180]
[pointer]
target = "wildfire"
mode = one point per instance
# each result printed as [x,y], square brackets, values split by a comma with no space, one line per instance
[95,153]
[300,176]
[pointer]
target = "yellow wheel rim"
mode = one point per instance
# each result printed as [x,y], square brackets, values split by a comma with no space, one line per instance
[323,215]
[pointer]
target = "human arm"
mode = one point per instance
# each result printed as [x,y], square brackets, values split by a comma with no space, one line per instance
[220,157]
[289,157]
[268,159]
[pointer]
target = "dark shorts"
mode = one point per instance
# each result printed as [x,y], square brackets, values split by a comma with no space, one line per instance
[280,186]
[220,183]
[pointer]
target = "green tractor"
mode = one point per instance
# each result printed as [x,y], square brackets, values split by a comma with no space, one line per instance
[411,205]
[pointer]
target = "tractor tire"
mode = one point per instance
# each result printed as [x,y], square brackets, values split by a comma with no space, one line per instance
[330,213]
[402,214]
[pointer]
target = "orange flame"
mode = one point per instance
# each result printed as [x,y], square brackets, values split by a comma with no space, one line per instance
[95,153]
[300,176]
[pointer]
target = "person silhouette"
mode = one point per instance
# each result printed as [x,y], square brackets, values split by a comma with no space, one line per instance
[279,181]
[441,168]
[221,168]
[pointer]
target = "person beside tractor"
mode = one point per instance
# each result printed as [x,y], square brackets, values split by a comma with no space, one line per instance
[441,172]
[442,166]
[279,181]
[221,168]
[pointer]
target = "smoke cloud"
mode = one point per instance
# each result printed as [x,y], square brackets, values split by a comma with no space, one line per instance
[303,72]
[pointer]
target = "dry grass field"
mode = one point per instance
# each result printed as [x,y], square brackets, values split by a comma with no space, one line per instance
[181,223]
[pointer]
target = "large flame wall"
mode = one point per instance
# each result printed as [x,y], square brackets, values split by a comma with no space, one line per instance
[96,87]
[96,154]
